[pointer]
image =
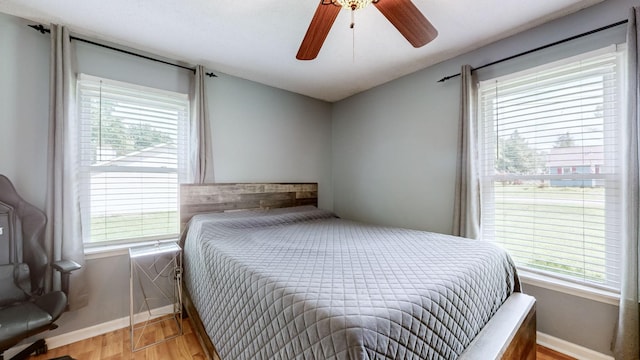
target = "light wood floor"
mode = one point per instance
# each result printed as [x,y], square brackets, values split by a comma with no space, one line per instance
[116,345]
[544,353]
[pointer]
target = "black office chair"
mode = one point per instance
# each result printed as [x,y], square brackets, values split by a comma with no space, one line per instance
[25,310]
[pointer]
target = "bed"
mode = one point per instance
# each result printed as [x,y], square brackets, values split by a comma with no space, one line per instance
[297,282]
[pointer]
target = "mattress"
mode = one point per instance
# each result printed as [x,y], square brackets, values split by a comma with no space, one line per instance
[301,283]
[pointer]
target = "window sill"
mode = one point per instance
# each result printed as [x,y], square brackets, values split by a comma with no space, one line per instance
[99,252]
[583,291]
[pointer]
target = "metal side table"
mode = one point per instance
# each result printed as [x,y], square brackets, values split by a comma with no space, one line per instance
[155,294]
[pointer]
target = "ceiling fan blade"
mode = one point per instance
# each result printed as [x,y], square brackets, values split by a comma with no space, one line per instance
[318,30]
[408,19]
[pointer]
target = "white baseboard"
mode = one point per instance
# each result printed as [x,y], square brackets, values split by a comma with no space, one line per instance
[109,326]
[96,330]
[568,348]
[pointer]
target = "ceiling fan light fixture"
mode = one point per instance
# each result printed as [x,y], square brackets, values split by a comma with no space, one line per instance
[353,4]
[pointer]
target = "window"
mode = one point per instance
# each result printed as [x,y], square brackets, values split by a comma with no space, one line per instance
[549,143]
[131,140]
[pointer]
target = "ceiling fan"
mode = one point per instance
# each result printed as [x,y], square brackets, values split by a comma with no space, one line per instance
[403,14]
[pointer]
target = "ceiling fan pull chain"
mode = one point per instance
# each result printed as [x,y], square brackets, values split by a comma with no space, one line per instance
[353,34]
[353,21]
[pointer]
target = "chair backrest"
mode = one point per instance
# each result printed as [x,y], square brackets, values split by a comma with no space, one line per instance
[22,239]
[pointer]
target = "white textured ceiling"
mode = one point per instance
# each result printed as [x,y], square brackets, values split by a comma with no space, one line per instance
[258,39]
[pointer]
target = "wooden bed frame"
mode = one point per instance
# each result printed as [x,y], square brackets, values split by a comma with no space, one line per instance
[510,334]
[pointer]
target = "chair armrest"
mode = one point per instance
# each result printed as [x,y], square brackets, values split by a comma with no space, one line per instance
[66,266]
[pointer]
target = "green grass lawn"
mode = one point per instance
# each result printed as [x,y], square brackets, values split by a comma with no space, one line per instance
[566,235]
[119,227]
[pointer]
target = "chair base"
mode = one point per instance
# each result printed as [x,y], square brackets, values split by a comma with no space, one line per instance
[39,347]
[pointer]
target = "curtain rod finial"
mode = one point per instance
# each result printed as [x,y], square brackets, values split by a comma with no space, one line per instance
[40,28]
[211,74]
[448,77]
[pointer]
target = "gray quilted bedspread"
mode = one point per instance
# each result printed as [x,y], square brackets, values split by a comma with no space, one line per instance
[303,284]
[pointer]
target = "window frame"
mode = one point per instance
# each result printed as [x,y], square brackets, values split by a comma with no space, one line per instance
[608,292]
[116,247]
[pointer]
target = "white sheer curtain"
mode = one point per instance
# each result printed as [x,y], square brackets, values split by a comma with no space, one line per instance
[63,235]
[200,169]
[466,217]
[628,329]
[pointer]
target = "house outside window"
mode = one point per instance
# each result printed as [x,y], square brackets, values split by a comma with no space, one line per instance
[549,158]
[575,160]
[131,143]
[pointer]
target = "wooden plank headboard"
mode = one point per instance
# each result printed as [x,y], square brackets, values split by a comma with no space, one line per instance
[207,198]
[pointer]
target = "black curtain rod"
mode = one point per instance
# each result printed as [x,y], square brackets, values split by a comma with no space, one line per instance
[44,30]
[540,48]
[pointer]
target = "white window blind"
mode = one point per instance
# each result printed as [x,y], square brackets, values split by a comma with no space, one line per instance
[131,144]
[549,143]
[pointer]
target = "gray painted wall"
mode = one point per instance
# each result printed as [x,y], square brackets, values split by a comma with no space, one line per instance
[394,150]
[259,134]
[24,107]
[265,134]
